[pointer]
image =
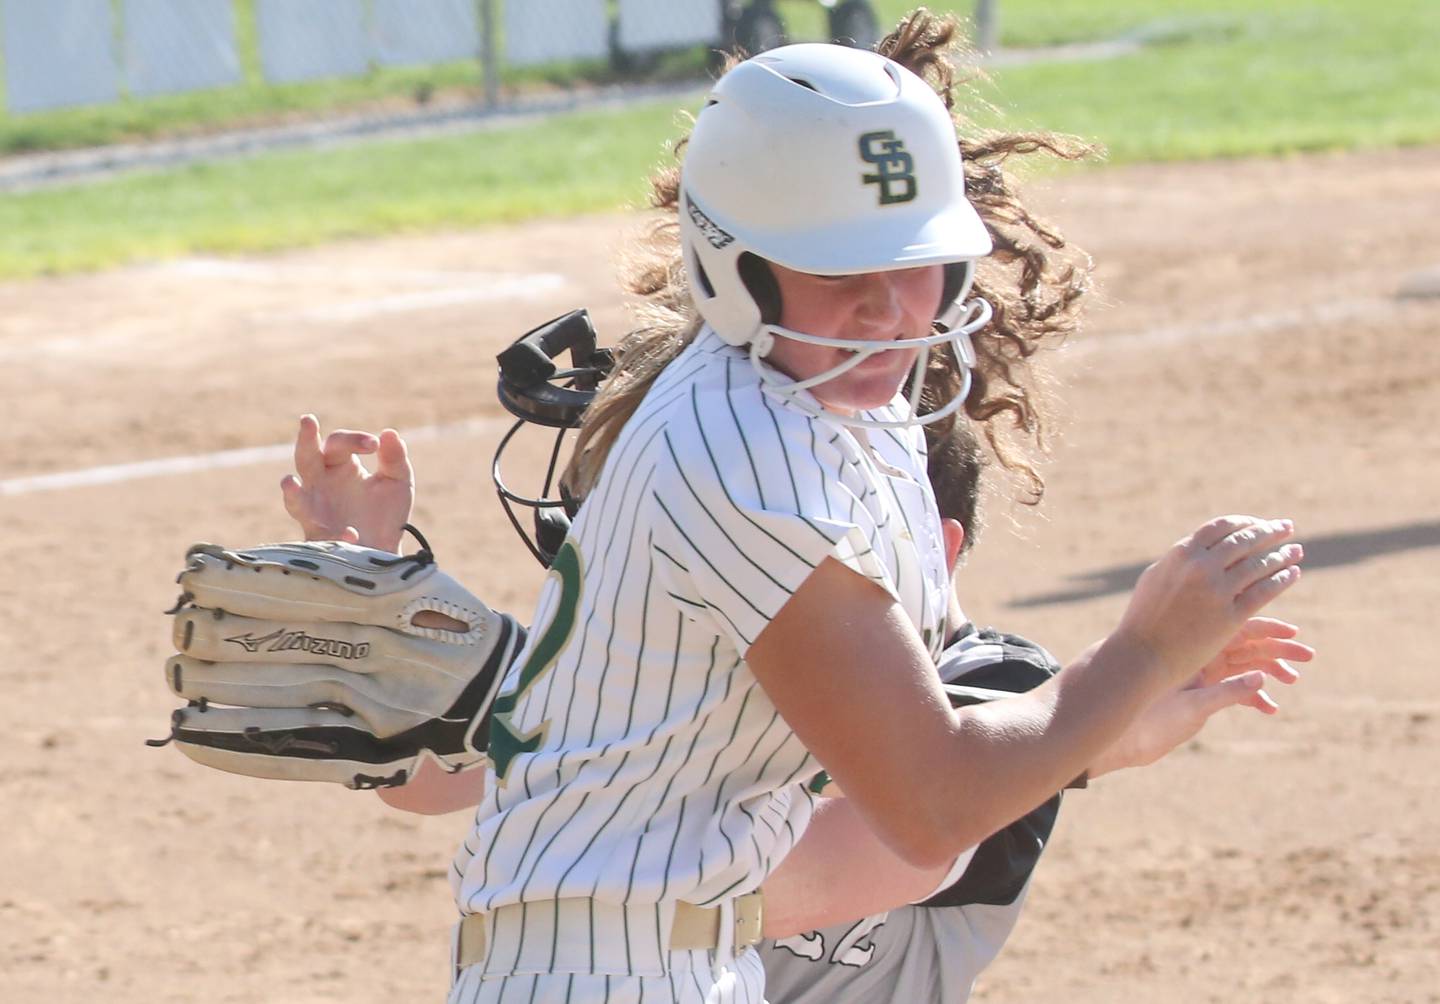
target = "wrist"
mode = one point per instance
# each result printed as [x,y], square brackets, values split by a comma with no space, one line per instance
[1110,759]
[1136,661]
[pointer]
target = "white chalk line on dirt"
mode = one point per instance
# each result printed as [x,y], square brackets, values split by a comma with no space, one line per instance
[454,288]
[1296,317]
[283,272]
[110,474]
[519,287]
[443,289]
[1329,313]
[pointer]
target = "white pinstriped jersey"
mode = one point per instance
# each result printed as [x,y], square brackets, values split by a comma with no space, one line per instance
[635,758]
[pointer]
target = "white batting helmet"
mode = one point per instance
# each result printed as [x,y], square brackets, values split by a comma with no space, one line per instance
[832,161]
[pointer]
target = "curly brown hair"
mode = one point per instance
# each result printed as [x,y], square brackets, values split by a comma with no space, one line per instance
[1034,281]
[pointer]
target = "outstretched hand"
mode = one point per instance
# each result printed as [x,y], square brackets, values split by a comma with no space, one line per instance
[333,496]
[1203,590]
[1263,644]
[1234,677]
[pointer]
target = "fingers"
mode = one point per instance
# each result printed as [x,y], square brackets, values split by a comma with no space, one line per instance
[313,455]
[1255,596]
[1269,638]
[1249,689]
[1282,648]
[309,454]
[1243,689]
[1268,627]
[1218,529]
[1270,650]
[1281,670]
[1246,541]
[1276,669]
[1266,645]
[393,457]
[1263,703]
[342,446]
[1259,564]
[292,493]
[1236,539]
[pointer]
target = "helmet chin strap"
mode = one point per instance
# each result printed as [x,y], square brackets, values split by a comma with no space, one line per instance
[976,314]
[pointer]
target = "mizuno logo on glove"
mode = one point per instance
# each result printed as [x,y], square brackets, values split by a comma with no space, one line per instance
[292,641]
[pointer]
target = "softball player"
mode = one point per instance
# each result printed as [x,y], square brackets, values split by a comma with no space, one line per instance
[760,538]
[638,763]
[755,586]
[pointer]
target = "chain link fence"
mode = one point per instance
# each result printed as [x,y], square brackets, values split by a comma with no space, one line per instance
[61,53]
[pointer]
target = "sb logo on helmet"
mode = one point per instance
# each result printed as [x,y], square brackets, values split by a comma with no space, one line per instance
[894,168]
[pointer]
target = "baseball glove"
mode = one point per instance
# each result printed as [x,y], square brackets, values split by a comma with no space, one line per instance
[314,650]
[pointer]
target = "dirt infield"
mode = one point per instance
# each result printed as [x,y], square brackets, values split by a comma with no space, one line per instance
[1251,356]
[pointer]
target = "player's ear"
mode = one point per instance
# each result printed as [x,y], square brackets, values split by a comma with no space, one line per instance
[954,535]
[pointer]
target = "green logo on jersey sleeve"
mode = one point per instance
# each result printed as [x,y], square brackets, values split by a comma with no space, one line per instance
[506,742]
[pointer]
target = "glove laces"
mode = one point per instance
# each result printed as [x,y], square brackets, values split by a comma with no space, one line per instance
[421,558]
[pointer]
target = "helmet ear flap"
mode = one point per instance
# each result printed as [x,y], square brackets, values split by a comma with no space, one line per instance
[954,283]
[959,277]
[702,278]
[760,281]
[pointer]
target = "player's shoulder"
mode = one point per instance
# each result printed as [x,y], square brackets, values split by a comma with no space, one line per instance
[720,423]
[714,384]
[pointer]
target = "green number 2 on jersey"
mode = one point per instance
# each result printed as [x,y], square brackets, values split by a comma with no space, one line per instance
[506,742]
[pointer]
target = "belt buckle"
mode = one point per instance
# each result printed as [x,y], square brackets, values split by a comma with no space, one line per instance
[749,920]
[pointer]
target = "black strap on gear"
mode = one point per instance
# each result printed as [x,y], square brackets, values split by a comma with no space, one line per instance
[538,392]
[421,558]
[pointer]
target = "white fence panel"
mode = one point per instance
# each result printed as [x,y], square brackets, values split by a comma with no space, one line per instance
[659,24]
[179,45]
[546,31]
[58,53]
[316,38]
[413,32]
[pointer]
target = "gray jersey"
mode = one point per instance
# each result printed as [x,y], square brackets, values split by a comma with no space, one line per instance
[932,952]
[912,954]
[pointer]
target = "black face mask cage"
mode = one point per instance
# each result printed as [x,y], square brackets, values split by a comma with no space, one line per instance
[537,392]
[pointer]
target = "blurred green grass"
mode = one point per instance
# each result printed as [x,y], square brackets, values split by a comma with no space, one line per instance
[1217,78]
[572,164]
[1228,78]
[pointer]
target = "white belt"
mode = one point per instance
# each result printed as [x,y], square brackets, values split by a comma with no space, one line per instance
[695,928]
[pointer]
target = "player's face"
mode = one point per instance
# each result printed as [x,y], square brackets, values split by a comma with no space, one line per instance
[870,307]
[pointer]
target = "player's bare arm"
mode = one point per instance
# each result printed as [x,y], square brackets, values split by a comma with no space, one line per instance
[434,791]
[841,871]
[880,734]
